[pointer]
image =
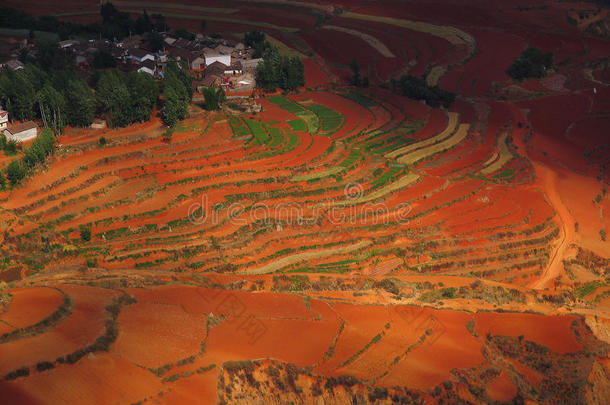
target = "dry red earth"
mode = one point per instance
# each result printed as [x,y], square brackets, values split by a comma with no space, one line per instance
[302,261]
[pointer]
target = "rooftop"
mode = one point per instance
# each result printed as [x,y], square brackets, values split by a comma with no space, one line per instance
[15,129]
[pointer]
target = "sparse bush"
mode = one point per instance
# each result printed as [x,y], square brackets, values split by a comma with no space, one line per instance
[85,233]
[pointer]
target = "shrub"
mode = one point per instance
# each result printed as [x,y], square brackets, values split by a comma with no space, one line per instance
[85,233]
[167,134]
[10,148]
[44,365]
[20,372]
[102,141]
[532,63]
[378,393]
[388,285]
[15,172]
[417,89]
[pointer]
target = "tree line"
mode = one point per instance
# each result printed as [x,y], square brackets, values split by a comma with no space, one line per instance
[57,97]
[126,97]
[279,71]
[115,24]
[60,97]
[416,88]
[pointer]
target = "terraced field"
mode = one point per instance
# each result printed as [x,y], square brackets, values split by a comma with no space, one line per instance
[344,244]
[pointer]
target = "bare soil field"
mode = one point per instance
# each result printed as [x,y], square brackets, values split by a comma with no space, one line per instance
[343,244]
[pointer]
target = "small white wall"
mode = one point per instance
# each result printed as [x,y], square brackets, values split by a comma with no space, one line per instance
[144,69]
[22,136]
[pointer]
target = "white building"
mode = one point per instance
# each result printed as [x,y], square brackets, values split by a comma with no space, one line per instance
[214,56]
[22,132]
[140,55]
[67,43]
[3,120]
[148,67]
[14,65]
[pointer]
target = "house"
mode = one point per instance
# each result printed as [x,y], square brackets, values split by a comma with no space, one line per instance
[22,132]
[140,55]
[183,54]
[149,67]
[215,56]
[67,43]
[186,44]
[234,69]
[224,50]
[198,63]
[3,120]
[169,40]
[98,124]
[133,41]
[251,63]
[14,65]
[216,68]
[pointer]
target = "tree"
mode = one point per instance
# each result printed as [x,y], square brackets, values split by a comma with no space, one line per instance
[294,72]
[204,24]
[108,12]
[102,59]
[279,71]
[417,89]
[160,22]
[17,94]
[251,38]
[155,41]
[143,24]
[182,33]
[144,93]
[10,148]
[532,63]
[268,72]
[51,107]
[171,103]
[39,149]
[15,172]
[51,57]
[113,97]
[80,103]
[214,97]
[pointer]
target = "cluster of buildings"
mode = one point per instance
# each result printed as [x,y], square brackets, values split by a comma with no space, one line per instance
[217,62]
[214,61]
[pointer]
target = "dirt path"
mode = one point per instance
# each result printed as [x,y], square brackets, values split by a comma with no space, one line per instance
[546,180]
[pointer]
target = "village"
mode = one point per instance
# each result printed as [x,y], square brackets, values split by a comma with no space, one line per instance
[211,62]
